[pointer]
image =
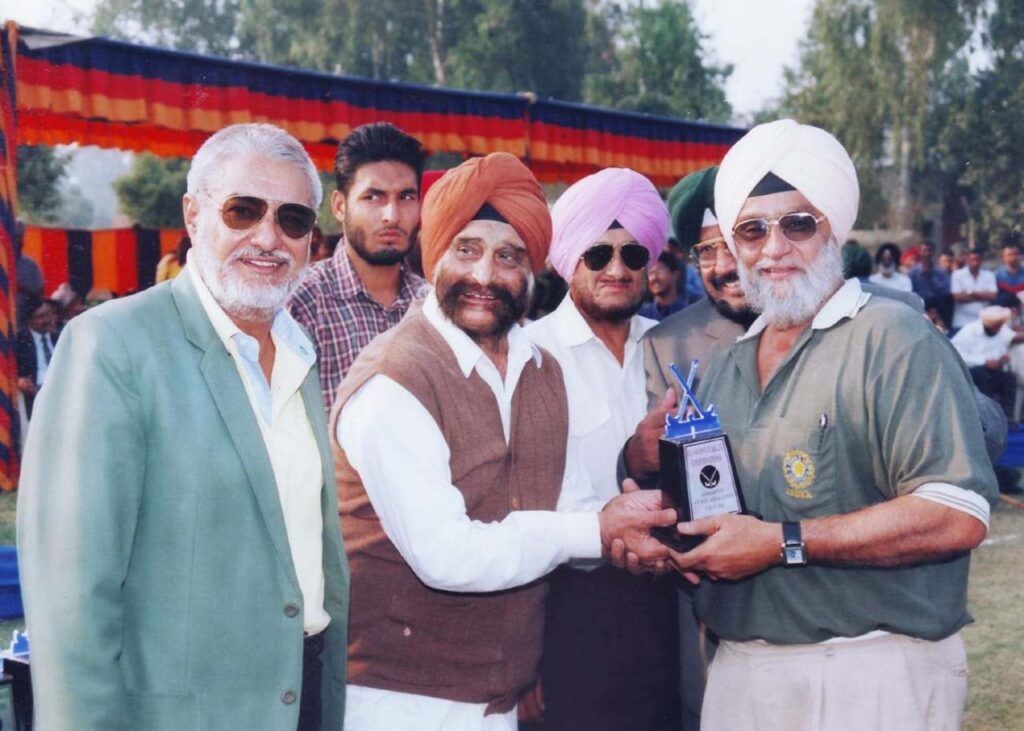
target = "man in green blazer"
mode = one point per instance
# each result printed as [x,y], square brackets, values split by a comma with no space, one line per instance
[181,559]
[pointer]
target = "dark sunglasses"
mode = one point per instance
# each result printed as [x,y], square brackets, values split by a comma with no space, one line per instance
[797,227]
[242,212]
[634,256]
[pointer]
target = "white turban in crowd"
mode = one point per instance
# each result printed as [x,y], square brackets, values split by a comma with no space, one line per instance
[806,157]
[589,208]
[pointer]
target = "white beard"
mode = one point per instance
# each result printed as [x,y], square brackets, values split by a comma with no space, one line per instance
[797,299]
[234,294]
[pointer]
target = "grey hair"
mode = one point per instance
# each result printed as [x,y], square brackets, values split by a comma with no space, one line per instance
[251,139]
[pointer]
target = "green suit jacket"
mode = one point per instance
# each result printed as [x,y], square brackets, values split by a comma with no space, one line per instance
[157,577]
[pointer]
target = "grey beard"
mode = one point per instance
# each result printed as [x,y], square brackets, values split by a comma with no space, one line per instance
[237,297]
[790,303]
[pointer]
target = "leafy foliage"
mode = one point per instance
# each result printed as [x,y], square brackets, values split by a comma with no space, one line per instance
[655,64]
[40,170]
[151,191]
[873,72]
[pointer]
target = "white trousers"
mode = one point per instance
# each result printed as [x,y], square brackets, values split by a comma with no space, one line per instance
[882,683]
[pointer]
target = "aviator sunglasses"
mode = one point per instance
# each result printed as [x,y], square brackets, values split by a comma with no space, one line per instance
[796,227]
[242,212]
[634,256]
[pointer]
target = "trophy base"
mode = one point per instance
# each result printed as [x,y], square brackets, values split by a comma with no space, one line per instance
[672,538]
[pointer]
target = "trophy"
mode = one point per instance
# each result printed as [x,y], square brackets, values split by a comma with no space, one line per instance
[698,475]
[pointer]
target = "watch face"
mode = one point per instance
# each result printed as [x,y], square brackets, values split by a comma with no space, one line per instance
[794,555]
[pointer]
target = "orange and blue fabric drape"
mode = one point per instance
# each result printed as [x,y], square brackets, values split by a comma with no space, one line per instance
[122,260]
[8,215]
[114,94]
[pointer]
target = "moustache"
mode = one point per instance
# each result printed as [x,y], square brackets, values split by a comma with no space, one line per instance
[719,282]
[253,252]
[788,261]
[503,296]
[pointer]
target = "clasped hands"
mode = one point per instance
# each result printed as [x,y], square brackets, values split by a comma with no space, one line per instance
[736,546]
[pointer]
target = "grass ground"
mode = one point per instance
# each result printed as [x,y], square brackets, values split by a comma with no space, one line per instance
[995,642]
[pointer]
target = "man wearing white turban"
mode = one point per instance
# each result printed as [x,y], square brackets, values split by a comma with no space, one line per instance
[606,230]
[839,599]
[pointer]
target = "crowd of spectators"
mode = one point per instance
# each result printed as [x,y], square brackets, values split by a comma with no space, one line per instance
[975,303]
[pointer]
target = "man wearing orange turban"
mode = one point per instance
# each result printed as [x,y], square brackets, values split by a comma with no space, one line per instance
[500,182]
[458,485]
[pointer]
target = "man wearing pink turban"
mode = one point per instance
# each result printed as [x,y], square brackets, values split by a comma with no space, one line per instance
[607,228]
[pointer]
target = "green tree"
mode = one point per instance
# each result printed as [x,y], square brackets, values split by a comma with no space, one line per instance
[655,62]
[201,26]
[876,73]
[983,147]
[151,191]
[519,45]
[40,170]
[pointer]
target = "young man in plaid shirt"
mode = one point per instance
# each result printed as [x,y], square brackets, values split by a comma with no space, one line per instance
[367,286]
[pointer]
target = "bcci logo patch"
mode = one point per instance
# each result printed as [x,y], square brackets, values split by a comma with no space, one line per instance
[798,469]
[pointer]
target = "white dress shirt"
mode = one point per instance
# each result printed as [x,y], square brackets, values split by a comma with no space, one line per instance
[395,445]
[288,436]
[896,280]
[962,281]
[976,347]
[606,400]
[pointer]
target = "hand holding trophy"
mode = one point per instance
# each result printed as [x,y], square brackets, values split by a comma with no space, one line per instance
[698,474]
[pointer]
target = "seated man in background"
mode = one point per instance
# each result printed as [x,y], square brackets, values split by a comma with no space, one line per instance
[984,345]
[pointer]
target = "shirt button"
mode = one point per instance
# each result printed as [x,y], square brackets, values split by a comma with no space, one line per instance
[515,503]
[291,610]
[288,697]
[407,632]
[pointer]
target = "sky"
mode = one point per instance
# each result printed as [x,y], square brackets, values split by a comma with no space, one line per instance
[758,37]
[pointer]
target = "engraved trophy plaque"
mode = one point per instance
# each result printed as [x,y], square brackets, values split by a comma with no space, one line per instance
[698,474]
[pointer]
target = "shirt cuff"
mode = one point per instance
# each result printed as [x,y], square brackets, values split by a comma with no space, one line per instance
[955,497]
[582,536]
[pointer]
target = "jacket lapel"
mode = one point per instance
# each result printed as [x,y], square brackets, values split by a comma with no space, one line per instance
[232,402]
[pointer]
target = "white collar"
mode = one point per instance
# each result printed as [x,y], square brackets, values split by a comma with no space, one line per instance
[846,302]
[285,329]
[571,329]
[468,353]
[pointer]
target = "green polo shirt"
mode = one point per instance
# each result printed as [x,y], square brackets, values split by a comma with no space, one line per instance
[870,404]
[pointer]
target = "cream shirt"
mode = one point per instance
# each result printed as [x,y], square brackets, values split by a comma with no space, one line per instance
[288,436]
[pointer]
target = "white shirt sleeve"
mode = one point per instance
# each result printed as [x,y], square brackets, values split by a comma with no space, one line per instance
[970,346]
[955,497]
[395,445]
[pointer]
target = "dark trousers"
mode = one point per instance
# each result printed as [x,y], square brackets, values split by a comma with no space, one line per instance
[312,672]
[998,385]
[610,656]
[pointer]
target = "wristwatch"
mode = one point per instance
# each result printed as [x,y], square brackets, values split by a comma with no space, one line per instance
[792,545]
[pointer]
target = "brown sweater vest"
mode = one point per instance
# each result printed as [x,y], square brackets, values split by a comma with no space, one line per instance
[403,635]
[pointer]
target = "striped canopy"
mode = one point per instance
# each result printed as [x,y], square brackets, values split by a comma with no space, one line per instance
[113,94]
[59,89]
